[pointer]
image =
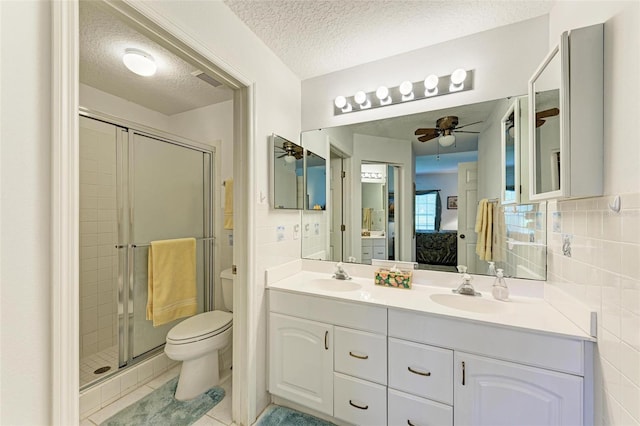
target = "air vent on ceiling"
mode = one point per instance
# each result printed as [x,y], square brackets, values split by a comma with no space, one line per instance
[206,78]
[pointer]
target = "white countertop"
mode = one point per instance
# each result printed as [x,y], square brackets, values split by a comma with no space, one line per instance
[529,313]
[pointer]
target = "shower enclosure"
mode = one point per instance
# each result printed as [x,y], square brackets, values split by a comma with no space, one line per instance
[136,186]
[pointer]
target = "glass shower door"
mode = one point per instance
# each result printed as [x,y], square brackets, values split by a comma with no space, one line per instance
[169,198]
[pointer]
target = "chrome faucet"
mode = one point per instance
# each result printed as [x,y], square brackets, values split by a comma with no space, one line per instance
[340,273]
[466,289]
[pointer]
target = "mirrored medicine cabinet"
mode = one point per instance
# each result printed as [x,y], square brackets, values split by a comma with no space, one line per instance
[566,118]
[287,174]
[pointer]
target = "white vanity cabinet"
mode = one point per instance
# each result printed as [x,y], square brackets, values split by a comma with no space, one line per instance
[373,248]
[500,376]
[493,392]
[328,355]
[301,361]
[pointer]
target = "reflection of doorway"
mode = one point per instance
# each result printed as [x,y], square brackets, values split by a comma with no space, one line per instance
[336,195]
[467,206]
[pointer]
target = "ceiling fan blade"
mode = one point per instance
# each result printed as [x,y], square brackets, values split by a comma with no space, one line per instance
[547,113]
[463,131]
[539,122]
[470,124]
[426,132]
[280,156]
[427,138]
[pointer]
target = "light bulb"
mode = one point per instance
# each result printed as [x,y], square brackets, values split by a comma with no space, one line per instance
[382,93]
[431,82]
[406,87]
[360,97]
[139,62]
[458,76]
[446,140]
[340,102]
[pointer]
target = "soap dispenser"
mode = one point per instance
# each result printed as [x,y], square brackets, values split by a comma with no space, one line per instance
[500,290]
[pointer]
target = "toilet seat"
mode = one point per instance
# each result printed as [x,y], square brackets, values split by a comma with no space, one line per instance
[199,327]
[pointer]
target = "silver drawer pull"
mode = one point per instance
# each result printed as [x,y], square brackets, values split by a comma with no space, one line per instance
[358,356]
[420,373]
[358,406]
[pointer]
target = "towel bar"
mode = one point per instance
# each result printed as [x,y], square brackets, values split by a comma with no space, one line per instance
[119,246]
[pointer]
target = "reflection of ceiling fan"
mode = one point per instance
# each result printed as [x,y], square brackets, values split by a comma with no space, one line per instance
[541,115]
[445,128]
[291,152]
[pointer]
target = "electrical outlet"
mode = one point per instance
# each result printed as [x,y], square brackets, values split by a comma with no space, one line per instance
[280,233]
[296,231]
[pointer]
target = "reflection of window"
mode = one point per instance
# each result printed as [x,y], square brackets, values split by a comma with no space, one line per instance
[427,212]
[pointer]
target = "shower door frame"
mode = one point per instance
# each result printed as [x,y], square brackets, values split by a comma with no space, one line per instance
[125,208]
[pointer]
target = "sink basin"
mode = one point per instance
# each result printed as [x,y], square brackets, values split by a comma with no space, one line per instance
[331,284]
[479,305]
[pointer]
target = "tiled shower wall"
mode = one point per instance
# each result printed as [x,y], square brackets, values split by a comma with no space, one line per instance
[603,273]
[98,236]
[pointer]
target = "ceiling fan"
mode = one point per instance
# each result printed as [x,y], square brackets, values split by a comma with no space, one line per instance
[541,115]
[291,152]
[445,128]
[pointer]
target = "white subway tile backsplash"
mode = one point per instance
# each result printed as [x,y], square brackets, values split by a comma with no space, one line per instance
[605,263]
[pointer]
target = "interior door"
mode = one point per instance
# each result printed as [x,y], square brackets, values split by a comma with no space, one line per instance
[467,207]
[336,218]
[168,186]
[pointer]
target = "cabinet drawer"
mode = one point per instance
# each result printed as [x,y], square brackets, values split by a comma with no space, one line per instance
[405,409]
[361,354]
[379,242]
[359,402]
[421,370]
[367,251]
[346,314]
[379,253]
[366,242]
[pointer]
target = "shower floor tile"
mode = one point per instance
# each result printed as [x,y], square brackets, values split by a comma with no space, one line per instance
[89,364]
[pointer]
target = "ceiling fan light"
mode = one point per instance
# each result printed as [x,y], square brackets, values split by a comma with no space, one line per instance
[289,159]
[446,140]
[139,62]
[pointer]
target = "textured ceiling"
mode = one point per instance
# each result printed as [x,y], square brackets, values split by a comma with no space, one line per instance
[318,37]
[172,90]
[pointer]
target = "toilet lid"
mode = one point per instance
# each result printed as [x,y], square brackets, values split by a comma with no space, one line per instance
[201,325]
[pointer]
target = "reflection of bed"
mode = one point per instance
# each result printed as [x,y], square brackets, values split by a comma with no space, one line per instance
[437,248]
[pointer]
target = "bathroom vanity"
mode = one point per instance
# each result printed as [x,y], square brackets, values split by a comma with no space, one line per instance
[371,355]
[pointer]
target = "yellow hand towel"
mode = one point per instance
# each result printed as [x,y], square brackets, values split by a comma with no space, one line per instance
[484,229]
[171,281]
[228,204]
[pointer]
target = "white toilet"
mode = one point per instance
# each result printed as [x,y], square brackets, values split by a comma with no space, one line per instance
[196,342]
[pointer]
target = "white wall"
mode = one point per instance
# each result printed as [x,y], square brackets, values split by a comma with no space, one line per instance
[503,59]
[447,183]
[277,110]
[603,272]
[25,229]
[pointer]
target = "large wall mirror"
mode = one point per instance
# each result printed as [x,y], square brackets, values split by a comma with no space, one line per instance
[409,195]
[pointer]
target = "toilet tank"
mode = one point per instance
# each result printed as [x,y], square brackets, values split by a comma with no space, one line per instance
[226,277]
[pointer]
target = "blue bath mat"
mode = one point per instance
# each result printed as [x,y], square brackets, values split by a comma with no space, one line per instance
[282,416]
[161,408]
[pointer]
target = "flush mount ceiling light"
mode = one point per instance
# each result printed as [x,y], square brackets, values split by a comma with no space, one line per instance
[459,81]
[139,62]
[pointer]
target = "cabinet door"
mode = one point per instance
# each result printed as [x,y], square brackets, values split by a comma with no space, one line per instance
[497,393]
[301,361]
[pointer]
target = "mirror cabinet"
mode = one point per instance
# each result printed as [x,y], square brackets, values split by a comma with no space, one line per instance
[315,182]
[287,174]
[566,118]
[510,153]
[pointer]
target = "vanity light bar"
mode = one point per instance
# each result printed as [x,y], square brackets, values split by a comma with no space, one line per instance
[459,80]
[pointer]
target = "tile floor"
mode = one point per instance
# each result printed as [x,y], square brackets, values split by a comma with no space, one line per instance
[89,364]
[220,415]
